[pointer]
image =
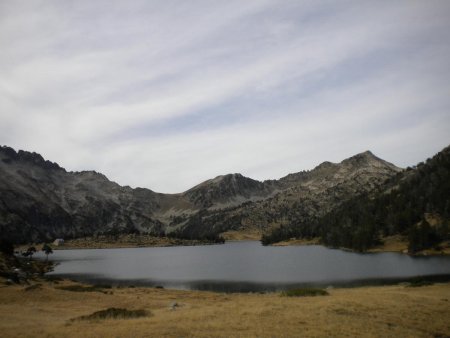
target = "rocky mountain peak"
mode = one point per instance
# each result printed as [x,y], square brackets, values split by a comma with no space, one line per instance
[7,155]
[364,156]
[229,188]
[91,174]
[225,178]
[368,159]
[234,179]
[325,165]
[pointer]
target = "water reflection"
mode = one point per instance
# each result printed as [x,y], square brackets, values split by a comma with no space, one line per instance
[241,266]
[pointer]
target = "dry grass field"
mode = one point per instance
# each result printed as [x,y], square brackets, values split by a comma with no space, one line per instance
[394,243]
[242,235]
[398,243]
[388,311]
[297,241]
[121,241]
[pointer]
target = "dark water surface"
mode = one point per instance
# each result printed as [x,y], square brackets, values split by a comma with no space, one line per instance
[240,266]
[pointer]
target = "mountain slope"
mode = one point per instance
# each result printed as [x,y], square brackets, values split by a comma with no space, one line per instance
[227,190]
[414,203]
[297,197]
[39,200]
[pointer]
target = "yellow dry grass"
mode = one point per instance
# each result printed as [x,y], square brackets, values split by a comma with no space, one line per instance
[242,235]
[396,243]
[299,241]
[121,241]
[389,311]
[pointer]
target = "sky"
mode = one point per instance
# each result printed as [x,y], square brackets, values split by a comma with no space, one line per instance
[167,94]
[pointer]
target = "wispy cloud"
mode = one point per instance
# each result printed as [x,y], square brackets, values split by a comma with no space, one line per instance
[167,94]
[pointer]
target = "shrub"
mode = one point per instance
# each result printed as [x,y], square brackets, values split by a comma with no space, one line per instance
[415,283]
[304,292]
[84,288]
[29,253]
[115,313]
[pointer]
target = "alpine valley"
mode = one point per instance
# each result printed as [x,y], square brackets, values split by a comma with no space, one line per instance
[40,201]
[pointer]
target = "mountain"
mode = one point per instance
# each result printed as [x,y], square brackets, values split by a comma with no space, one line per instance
[297,197]
[227,190]
[40,201]
[414,203]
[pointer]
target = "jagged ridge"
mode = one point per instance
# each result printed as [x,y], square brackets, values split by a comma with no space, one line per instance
[40,200]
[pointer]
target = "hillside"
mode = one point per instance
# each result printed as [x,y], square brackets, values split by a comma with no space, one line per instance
[297,198]
[414,203]
[40,201]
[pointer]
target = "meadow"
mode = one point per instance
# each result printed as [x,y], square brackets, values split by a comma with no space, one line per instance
[63,308]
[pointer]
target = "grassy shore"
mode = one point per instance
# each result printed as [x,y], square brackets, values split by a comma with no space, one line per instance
[400,244]
[299,241]
[121,241]
[395,243]
[53,310]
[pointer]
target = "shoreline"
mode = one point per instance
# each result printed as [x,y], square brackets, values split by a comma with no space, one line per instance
[122,241]
[395,244]
[38,270]
[225,287]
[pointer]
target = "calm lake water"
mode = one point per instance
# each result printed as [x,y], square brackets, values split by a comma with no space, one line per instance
[240,266]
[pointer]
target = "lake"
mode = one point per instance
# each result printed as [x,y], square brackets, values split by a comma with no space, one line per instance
[240,266]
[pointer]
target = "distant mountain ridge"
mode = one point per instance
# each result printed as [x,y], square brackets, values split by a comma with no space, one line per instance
[414,203]
[40,201]
[297,197]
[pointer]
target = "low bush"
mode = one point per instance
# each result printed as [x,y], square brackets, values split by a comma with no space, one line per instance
[304,292]
[103,286]
[418,283]
[84,288]
[115,313]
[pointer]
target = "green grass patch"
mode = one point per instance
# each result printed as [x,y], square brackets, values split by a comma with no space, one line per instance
[115,313]
[304,292]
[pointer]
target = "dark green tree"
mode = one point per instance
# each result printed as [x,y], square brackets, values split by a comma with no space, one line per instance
[30,252]
[47,250]
[422,236]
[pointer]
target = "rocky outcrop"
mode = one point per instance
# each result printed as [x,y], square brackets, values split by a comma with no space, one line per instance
[227,190]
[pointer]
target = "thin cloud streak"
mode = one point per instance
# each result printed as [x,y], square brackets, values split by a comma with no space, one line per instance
[165,95]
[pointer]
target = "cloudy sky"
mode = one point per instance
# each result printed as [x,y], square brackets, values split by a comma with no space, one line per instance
[166,94]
